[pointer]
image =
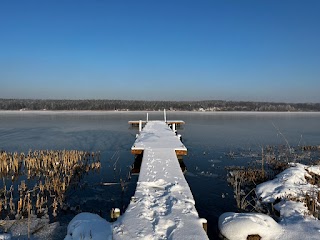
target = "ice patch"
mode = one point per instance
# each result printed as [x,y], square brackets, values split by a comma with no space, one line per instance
[215,161]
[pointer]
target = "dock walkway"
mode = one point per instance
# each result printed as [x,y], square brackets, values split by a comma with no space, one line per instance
[163,206]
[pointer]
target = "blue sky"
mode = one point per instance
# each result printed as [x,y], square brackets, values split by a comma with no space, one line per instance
[161,50]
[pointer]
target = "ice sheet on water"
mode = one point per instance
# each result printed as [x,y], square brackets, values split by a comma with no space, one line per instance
[215,161]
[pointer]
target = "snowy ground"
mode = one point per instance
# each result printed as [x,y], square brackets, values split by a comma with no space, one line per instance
[38,229]
[162,208]
[295,221]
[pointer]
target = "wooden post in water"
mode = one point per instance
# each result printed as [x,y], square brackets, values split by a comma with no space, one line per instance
[140,126]
[165,115]
[115,213]
[204,224]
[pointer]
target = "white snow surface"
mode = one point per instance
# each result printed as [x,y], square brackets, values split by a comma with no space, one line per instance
[157,134]
[291,183]
[163,206]
[87,226]
[295,221]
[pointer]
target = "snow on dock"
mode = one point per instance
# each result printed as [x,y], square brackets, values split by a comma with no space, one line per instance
[178,122]
[163,206]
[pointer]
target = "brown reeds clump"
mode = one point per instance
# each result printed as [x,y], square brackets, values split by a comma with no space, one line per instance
[51,172]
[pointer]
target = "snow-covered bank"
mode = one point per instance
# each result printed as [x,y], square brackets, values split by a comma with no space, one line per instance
[288,191]
[290,184]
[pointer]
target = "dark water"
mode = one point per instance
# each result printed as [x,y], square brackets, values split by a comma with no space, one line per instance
[208,137]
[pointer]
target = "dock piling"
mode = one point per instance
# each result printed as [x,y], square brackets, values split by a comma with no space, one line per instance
[140,126]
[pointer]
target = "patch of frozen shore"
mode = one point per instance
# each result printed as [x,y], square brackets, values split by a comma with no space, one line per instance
[39,228]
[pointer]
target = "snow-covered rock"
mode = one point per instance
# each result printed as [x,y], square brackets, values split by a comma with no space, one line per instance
[240,225]
[89,226]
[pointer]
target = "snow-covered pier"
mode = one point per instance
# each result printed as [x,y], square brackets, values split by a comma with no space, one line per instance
[163,206]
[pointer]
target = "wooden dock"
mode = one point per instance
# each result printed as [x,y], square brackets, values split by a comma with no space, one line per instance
[169,122]
[163,206]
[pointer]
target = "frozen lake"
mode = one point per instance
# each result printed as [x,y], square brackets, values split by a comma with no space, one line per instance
[209,137]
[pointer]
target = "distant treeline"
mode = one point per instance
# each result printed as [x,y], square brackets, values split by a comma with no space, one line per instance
[130,105]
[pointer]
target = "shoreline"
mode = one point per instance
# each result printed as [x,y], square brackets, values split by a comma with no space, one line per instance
[155,111]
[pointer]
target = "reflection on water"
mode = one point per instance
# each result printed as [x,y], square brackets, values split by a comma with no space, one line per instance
[209,137]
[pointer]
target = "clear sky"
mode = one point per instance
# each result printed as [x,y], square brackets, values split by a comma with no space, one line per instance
[265,50]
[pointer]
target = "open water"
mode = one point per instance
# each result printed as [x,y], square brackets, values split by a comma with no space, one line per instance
[209,137]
